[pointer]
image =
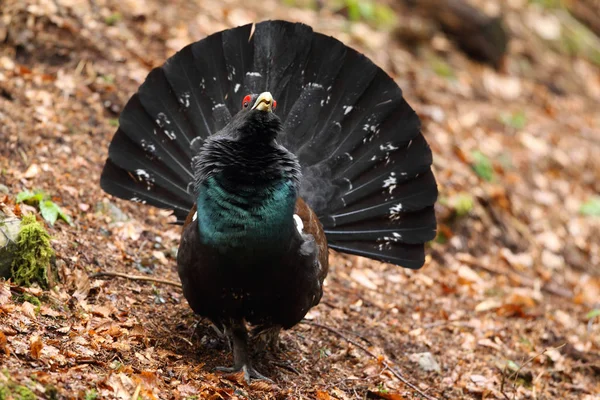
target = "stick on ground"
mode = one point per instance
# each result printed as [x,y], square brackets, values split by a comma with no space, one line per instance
[136,278]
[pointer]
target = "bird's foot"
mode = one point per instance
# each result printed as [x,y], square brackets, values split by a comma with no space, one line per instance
[249,373]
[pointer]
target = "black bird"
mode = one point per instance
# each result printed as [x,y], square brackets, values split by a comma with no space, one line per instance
[272,142]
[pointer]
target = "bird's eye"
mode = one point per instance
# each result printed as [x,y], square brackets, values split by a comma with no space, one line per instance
[246,101]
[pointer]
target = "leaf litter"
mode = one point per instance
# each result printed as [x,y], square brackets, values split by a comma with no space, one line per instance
[516,278]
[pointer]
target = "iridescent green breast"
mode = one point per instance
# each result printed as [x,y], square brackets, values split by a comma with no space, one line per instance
[234,216]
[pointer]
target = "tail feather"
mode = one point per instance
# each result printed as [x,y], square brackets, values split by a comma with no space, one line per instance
[120,183]
[131,158]
[366,166]
[408,255]
[408,228]
[410,196]
[188,83]
[381,179]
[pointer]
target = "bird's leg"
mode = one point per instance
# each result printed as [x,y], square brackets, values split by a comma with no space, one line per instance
[241,356]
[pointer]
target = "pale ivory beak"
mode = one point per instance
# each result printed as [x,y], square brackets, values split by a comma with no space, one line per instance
[264,102]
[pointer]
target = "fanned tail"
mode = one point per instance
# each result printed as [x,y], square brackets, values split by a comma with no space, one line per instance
[366,166]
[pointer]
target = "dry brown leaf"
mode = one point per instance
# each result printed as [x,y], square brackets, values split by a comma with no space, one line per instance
[323,395]
[32,171]
[101,311]
[115,331]
[49,312]
[28,309]
[82,285]
[5,294]
[4,344]
[35,347]
[262,386]
[187,390]
[385,396]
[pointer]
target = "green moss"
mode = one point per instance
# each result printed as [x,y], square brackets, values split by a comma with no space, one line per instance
[32,259]
[32,299]
[23,393]
[91,394]
[12,391]
[4,392]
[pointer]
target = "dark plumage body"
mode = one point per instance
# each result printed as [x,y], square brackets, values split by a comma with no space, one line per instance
[340,163]
[244,259]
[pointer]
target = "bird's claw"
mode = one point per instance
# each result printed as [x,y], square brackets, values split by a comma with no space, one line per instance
[249,373]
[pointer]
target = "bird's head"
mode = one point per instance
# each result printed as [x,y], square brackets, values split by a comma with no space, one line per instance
[257,120]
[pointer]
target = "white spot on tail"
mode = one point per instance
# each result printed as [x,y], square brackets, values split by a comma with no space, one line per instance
[162,120]
[184,99]
[170,134]
[390,182]
[347,109]
[258,74]
[314,85]
[149,147]
[395,211]
[142,174]
[388,147]
[299,224]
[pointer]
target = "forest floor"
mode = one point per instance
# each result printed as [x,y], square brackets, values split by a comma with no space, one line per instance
[506,307]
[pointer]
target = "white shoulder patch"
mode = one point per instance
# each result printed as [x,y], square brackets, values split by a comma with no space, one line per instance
[299,224]
[195,216]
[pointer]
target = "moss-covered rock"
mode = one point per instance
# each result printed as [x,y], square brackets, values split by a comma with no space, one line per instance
[25,250]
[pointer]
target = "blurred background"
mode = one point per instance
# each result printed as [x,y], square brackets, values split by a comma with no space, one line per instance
[508,303]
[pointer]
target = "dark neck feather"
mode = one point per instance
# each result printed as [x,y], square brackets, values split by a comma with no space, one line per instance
[245,162]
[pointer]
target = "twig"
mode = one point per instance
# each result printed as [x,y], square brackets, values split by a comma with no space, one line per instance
[285,366]
[136,278]
[516,373]
[370,353]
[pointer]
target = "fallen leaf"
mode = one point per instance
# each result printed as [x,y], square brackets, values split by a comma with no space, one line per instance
[101,311]
[487,305]
[35,347]
[385,396]
[478,379]
[323,395]
[82,285]
[4,344]
[49,312]
[426,361]
[28,309]
[186,390]
[160,256]
[467,275]
[262,386]
[361,277]
[32,171]
[5,294]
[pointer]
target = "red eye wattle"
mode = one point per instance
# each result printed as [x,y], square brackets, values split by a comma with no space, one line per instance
[246,101]
[274,104]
